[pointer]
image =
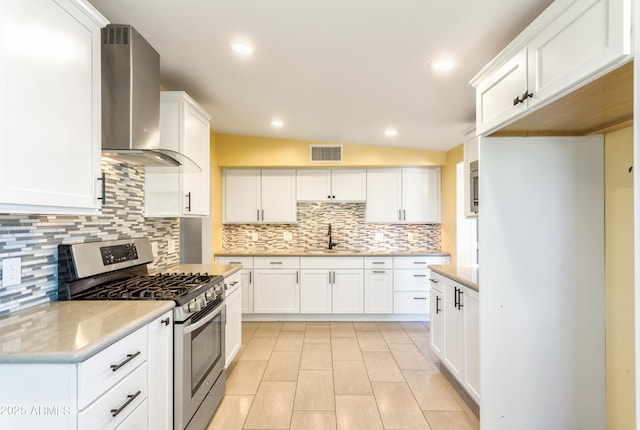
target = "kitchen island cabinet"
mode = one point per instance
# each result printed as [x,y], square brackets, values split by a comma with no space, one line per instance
[50,149]
[183,191]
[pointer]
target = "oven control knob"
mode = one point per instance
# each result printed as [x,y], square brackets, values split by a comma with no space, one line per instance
[202,300]
[210,295]
[194,306]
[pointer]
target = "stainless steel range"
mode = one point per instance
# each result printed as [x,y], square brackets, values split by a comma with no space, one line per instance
[117,270]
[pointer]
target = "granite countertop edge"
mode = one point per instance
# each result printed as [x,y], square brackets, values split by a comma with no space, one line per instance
[327,253]
[461,274]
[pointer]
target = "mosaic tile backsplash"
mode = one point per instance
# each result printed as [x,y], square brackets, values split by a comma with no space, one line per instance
[348,231]
[35,238]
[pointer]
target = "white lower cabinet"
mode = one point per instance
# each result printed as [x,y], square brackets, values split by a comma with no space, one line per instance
[246,280]
[378,289]
[127,385]
[411,283]
[471,368]
[233,322]
[276,286]
[315,291]
[348,291]
[453,328]
[332,285]
[437,314]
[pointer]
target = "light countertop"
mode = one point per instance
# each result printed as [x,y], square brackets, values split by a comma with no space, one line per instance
[209,269]
[466,275]
[72,331]
[337,252]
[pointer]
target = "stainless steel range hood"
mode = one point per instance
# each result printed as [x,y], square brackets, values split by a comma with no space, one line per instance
[131,101]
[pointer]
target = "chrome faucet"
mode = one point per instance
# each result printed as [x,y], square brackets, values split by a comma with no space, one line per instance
[331,243]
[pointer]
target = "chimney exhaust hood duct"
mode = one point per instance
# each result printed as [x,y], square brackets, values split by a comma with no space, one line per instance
[131,101]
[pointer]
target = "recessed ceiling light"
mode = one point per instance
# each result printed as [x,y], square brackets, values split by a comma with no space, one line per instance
[442,65]
[276,123]
[242,48]
[391,132]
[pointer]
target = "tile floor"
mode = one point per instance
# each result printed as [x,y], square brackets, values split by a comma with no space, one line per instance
[338,376]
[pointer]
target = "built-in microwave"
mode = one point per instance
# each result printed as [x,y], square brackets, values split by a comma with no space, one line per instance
[473,187]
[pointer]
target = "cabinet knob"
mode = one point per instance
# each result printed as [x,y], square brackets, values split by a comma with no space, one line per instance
[165,321]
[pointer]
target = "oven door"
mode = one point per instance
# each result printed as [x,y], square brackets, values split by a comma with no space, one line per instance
[199,361]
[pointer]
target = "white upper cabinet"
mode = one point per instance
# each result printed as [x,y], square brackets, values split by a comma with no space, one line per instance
[254,196]
[323,185]
[403,196]
[570,44]
[183,191]
[50,107]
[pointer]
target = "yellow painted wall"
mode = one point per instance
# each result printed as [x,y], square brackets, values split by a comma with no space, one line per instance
[249,151]
[216,194]
[448,202]
[620,370]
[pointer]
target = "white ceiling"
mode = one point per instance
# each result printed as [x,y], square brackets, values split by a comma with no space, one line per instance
[333,70]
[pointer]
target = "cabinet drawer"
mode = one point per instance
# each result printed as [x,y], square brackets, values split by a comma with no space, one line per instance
[410,302]
[232,283]
[97,374]
[436,282]
[378,262]
[411,280]
[276,262]
[331,262]
[138,419]
[418,262]
[247,262]
[132,389]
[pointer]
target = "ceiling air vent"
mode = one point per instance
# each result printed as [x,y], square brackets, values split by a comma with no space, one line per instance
[326,154]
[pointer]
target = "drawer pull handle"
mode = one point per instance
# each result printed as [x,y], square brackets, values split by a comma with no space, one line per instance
[420,276]
[130,398]
[378,262]
[379,271]
[234,283]
[234,262]
[435,281]
[419,262]
[419,298]
[165,321]
[275,262]
[130,357]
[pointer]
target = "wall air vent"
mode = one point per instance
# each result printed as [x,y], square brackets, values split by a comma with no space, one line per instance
[325,153]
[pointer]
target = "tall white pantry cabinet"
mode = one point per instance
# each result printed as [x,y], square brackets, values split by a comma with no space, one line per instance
[50,149]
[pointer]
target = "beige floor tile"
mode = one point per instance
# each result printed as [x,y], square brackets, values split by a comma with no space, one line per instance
[398,409]
[313,420]
[357,413]
[350,378]
[345,348]
[395,336]
[416,328]
[388,325]
[258,348]
[231,413]
[382,367]
[446,420]
[424,345]
[294,326]
[268,329]
[432,391]
[272,406]
[248,329]
[315,391]
[409,357]
[371,341]
[342,329]
[290,341]
[316,333]
[365,326]
[245,377]
[283,366]
[316,357]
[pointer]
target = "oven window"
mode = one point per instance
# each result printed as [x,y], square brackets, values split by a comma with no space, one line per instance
[206,350]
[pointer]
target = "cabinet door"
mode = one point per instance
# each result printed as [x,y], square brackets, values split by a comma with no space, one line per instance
[50,107]
[411,280]
[472,344]
[383,196]
[421,195]
[195,185]
[246,278]
[453,329]
[278,196]
[276,291]
[233,329]
[586,38]
[241,196]
[495,94]
[313,185]
[348,291]
[348,185]
[436,303]
[160,366]
[378,292]
[315,291]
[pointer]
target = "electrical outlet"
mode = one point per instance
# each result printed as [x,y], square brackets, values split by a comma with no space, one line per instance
[410,237]
[171,246]
[154,248]
[287,236]
[11,271]
[254,237]
[379,236]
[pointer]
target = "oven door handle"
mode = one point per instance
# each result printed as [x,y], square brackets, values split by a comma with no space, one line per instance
[205,320]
